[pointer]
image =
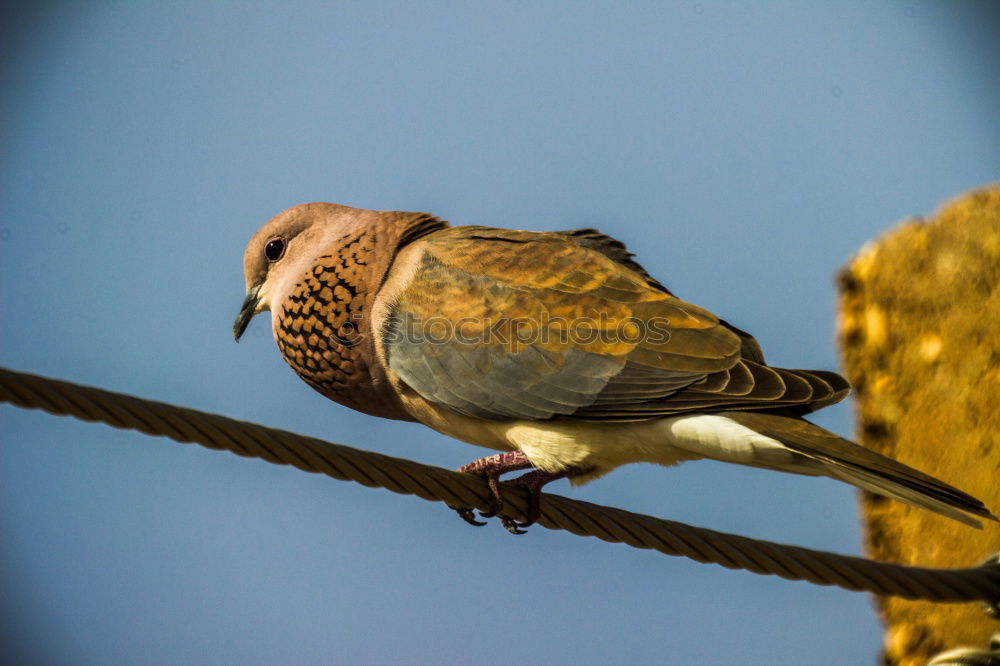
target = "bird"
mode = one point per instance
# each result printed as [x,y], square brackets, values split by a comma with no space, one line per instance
[557,350]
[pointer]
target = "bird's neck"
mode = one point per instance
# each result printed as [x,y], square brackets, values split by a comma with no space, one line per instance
[323,327]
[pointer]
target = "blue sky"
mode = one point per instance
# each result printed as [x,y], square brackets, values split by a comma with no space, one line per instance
[743,151]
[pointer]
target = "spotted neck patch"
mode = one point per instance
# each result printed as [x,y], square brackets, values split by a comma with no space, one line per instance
[322,331]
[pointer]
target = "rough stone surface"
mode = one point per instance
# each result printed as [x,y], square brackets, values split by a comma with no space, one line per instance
[920,339]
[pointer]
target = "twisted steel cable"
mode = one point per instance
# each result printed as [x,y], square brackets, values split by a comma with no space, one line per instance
[463,490]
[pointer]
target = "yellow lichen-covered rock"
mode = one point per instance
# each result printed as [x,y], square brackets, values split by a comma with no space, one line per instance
[920,338]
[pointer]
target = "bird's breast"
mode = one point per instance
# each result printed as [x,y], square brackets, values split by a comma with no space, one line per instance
[322,330]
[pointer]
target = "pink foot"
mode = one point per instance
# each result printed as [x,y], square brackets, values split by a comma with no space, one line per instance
[491,468]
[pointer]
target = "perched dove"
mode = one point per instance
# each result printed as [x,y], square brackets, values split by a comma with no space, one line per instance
[557,349]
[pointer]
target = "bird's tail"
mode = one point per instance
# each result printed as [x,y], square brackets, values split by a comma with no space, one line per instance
[842,459]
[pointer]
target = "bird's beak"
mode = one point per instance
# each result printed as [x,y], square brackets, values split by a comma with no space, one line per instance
[247,311]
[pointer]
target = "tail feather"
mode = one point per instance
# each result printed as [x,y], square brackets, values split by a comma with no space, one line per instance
[882,486]
[844,460]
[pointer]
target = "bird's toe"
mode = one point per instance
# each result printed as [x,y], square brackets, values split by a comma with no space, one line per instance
[468,515]
[512,525]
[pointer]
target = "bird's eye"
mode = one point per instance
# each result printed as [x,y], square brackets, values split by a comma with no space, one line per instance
[275,248]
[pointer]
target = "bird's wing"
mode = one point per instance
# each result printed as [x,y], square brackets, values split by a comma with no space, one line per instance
[616,250]
[504,324]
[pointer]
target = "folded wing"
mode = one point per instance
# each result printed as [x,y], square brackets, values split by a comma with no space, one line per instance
[505,324]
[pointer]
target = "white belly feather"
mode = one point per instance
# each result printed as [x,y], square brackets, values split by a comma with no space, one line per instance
[600,447]
[666,441]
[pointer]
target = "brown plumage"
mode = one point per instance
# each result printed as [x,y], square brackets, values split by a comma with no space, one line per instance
[557,347]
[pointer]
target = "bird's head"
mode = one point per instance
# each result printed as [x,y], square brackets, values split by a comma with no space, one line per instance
[286,248]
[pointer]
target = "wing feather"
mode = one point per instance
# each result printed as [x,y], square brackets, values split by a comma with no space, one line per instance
[537,326]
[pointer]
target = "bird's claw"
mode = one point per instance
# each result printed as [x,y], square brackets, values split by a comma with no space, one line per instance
[497,504]
[496,499]
[469,516]
[513,526]
[491,468]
